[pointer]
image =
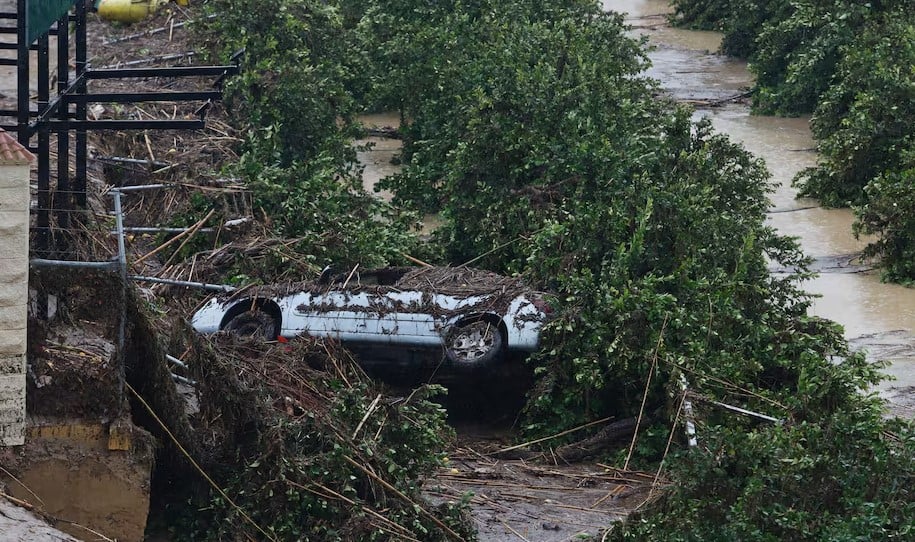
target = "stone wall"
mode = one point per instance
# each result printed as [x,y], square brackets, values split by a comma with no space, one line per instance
[14,276]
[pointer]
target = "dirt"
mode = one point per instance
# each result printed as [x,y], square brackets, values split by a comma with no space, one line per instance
[537,499]
[83,475]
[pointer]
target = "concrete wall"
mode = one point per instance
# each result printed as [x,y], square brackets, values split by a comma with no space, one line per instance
[14,277]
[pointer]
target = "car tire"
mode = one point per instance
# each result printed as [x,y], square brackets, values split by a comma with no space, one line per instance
[473,344]
[253,323]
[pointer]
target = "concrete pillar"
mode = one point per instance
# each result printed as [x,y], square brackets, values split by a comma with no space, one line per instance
[14,283]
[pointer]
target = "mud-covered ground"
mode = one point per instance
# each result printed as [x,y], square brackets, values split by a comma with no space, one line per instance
[536,499]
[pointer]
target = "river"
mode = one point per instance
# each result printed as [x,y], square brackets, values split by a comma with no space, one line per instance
[876,316]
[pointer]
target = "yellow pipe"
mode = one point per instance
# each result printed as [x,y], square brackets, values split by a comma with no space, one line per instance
[128,11]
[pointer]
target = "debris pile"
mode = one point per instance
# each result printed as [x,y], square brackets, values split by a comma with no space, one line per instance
[303,445]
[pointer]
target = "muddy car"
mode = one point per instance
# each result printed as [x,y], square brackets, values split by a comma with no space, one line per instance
[393,317]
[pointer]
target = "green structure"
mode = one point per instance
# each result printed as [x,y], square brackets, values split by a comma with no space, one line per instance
[41,14]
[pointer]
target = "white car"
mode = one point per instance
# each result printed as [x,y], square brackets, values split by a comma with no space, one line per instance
[467,318]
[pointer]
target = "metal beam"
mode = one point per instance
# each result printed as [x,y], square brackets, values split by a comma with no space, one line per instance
[63,138]
[93,125]
[179,71]
[22,74]
[145,97]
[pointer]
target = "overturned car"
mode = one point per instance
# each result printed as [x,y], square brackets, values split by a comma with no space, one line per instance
[394,318]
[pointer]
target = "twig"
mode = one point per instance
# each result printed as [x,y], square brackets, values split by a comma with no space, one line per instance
[18,481]
[422,510]
[153,31]
[149,60]
[557,435]
[670,438]
[190,235]
[96,533]
[174,239]
[516,533]
[197,465]
[416,260]
[351,273]
[654,365]
[403,531]
[29,506]
[368,413]
[152,156]
[18,502]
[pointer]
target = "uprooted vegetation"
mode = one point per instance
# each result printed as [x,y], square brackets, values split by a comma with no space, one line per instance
[307,447]
[529,128]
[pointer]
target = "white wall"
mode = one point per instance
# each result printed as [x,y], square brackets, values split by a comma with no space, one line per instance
[14,277]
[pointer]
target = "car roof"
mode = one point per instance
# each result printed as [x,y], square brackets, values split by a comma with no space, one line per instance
[454,281]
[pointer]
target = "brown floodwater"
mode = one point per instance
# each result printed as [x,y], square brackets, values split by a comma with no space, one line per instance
[876,316]
[376,153]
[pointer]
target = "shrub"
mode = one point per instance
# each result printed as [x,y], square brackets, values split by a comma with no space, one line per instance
[295,100]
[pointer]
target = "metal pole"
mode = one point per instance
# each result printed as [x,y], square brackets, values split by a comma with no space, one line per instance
[203,285]
[146,187]
[176,361]
[122,265]
[82,147]
[45,205]
[163,230]
[63,138]
[42,262]
[119,228]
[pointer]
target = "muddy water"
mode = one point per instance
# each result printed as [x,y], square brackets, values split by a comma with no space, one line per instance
[877,317]
[376,153]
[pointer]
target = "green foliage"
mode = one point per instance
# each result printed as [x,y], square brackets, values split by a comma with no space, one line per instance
[295,99]
[851,64]
[319,454]
[552,159]
[794,47]
[866,133]
[741,21]
[548,157]
[845,476]
[890,214]
[864,122]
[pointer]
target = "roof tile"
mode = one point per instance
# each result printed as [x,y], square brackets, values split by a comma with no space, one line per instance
[12,153]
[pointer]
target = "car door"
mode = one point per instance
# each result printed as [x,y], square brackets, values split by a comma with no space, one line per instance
[374,315]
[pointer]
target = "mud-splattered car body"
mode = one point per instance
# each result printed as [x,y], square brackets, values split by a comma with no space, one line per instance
[401,316]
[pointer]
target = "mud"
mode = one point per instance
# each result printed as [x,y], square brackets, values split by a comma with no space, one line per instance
[536,500]
[83,475]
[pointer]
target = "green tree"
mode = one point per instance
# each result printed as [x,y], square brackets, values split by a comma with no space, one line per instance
[296,99]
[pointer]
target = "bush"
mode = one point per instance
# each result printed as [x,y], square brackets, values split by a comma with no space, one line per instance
[295,99]
[890,213]
[864,122]
[848,62]
[548,157]
[846,476]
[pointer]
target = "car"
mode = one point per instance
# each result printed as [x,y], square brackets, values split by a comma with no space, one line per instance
[392,318]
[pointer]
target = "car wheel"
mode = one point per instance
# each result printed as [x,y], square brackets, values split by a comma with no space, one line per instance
[474,344]
[253,323]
